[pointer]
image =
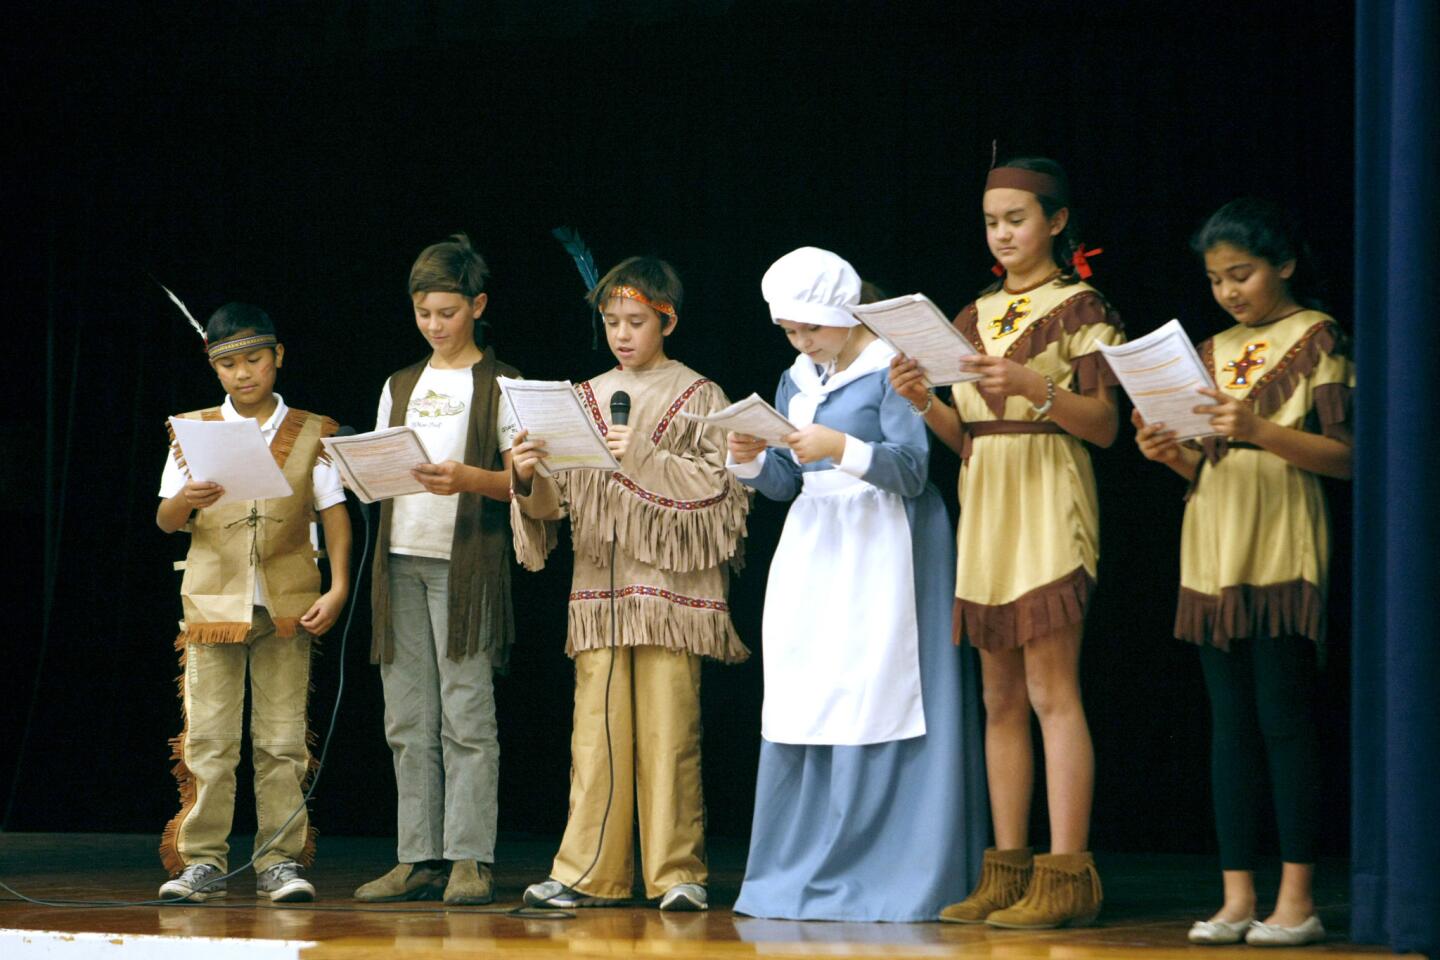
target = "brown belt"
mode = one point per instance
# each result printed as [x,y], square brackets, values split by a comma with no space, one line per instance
[990,428]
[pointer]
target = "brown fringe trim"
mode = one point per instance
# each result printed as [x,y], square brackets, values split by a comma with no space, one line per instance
[534,539]
[1091,372]
[328,428]
[170,856]
[654,621]
[1275,387]
[1292,609]
[1332,405]
[286,435]
[1080,310]
[1042,611]
[215,633]
[676,535]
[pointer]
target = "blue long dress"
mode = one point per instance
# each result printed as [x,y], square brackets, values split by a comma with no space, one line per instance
[889,831]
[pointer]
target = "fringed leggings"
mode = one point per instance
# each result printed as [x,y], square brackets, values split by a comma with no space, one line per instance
[1262,704]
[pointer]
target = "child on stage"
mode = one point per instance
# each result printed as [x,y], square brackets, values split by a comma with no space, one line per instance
[440,591]
[1028,539]
[1255,554]
[252,600]
[653,543]
[868,803]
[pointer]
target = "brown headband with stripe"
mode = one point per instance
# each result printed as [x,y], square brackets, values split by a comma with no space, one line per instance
[1018,178]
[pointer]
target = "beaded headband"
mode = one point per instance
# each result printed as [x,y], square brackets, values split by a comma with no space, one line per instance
[256,341]
[1018,178]
[627,292]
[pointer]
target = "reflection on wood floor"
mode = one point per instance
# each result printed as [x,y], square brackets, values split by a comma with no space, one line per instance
[1150,902]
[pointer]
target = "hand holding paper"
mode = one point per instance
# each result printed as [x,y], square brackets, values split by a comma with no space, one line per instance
[548,410]
[1163,375]
[751,416]
[233,454]
[916,328]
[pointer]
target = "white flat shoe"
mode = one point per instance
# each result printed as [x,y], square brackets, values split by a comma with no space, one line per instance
[1219,931]
[1274,935]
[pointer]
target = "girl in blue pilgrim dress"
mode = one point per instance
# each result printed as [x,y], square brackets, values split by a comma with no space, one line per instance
[870,801]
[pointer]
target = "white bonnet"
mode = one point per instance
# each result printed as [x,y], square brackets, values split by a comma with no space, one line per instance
[810,285]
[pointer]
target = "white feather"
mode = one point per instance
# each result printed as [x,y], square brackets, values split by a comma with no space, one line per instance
[183,309]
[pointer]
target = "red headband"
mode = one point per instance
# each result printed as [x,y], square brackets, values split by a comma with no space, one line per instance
[1018,178]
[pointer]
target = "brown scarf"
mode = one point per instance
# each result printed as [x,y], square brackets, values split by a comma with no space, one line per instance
[480,612]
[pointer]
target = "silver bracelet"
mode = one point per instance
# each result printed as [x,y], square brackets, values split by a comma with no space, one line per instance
[1044,408]
[929,402]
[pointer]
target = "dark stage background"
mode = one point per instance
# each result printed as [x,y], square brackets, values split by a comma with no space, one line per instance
[298,155]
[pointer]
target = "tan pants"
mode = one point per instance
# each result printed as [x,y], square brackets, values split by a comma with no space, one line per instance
[213,691]
[655,734]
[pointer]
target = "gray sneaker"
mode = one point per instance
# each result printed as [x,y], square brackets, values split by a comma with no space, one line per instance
[196,884]
[282,883]
[685,896]
[554,894]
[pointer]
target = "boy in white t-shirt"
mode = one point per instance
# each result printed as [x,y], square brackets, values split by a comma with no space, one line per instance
[443,621]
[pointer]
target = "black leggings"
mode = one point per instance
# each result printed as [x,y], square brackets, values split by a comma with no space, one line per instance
[1262,708]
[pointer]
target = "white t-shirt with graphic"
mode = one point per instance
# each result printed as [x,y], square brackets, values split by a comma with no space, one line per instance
[423,524]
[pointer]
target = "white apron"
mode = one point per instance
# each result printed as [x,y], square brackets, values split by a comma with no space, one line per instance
[841,654]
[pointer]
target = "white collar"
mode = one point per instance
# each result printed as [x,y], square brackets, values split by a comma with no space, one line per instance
[807,376]
[228,412]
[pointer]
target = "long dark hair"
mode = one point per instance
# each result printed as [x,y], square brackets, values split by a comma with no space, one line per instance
[1266,230]
[1068,241]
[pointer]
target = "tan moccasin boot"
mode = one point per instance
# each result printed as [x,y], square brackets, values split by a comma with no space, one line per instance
[408,881]
[1064,892]
[1004,876]
[470,882]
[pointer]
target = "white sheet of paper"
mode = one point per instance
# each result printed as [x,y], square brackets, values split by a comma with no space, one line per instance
[1162,372]
[232,453]
[753,416]
[377,465]
[550,411]
[914,326]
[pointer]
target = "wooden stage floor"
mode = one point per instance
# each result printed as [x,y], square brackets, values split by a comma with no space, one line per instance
[1150,902]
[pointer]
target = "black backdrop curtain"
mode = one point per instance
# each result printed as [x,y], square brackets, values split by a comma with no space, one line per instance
[1396,718]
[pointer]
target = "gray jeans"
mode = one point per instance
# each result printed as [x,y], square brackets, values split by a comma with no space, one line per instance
[440,723]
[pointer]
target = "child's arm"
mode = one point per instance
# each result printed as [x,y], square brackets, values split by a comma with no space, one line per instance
[1090,416]
[326,610]
[1158,444]
[174,512]
[942,419]
[1308,451]
[452,477]
[772,472]
[900,461]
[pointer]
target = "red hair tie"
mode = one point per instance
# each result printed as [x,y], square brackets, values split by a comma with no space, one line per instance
[1080,261]
[998,270]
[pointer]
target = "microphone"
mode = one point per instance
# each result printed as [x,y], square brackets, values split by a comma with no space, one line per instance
[620,408]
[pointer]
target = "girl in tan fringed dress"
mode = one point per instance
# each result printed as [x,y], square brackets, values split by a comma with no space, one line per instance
[1255,552]
[1028,539]
[653,542]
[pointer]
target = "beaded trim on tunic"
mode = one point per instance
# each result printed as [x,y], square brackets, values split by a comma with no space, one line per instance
[698,603]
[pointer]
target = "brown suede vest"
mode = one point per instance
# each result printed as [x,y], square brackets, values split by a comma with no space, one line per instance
[232,544]
[480,613]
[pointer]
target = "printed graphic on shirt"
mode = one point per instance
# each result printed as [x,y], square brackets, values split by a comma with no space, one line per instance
[435,405]
[1008,323]
[1241,366]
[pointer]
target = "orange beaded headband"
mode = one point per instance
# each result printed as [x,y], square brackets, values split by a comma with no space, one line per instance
[631,293]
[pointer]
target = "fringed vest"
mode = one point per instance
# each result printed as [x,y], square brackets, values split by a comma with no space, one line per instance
[481,617]
[233,543]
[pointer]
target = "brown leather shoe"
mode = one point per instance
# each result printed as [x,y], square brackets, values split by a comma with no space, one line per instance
[1004,876]
[470,882]
[1064,892]
[408,881]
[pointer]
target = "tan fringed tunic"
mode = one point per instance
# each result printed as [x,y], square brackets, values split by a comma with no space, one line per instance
[1255,544]
[677,517]
[1029,534]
